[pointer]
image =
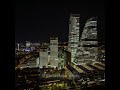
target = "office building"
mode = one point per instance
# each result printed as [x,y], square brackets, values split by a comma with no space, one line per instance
[54,52]
[67,57]
[43,57]
[73,34]
[88,45]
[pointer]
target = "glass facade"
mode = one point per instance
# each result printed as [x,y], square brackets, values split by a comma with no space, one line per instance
[88,45]
[54,52]
[73,34]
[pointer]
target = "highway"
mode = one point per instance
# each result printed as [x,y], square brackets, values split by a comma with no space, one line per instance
[27,57]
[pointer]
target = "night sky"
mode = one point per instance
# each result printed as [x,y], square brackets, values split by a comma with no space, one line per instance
[38,21]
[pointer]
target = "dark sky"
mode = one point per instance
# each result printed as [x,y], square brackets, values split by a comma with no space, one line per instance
[37,21]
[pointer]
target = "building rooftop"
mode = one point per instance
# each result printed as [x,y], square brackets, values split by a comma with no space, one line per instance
[92,19]
[53,38]
[75,15]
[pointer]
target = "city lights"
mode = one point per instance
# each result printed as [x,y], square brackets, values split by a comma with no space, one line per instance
[76,64]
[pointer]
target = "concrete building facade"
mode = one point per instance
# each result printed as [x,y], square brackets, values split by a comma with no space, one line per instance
[54,52]
[74,28]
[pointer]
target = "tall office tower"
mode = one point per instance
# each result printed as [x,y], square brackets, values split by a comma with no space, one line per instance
[54,52]
[73,34]
[88,45]
[43,57]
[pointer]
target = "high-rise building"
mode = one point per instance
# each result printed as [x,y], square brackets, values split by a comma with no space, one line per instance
[88,45]
[67,57]
[43,57]
[73,34]
[54,52]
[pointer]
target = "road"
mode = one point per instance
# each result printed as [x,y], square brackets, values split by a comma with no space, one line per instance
[27,57]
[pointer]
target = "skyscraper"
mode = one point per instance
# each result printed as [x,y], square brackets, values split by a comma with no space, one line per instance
[54,52]
[73,34]
[43,54]
[88,45]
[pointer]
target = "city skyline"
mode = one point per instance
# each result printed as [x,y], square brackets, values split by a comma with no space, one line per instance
[35,23]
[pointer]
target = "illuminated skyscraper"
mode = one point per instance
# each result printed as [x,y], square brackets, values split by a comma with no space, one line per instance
[43,57]
[54,52]
[88,45]
[73,34]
